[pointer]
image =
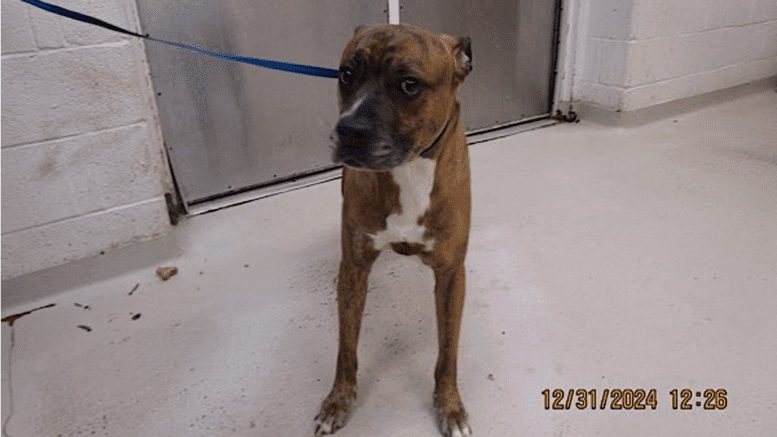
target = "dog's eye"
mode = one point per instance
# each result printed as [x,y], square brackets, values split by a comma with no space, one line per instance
[346,75]
[410,86]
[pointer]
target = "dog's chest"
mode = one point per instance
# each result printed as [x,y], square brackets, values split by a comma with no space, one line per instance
[415,180]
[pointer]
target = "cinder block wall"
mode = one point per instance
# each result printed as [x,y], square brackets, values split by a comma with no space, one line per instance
[83,166]
[638,53]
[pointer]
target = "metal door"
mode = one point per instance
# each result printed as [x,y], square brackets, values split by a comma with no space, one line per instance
[231,127]
[513,51]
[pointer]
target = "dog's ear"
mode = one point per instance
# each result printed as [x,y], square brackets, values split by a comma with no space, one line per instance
[461,49]
[358,29]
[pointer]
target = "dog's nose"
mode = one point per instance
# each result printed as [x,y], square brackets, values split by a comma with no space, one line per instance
[352,131]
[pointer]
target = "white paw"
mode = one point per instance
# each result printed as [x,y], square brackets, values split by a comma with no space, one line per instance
[325,425]
[328,424]
[333,414]
[450,428]
[455,431]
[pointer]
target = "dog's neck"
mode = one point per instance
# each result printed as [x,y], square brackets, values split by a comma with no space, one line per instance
[429,150]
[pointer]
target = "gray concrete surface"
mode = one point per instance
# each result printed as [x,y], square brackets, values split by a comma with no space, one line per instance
[600,258]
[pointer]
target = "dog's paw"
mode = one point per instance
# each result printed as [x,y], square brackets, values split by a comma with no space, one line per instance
[334,412]
[456,431]
[453,422]
[455,428]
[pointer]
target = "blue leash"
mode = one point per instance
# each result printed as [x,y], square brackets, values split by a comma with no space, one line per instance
[275,65]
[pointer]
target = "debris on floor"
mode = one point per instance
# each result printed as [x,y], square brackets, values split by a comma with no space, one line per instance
[166,272]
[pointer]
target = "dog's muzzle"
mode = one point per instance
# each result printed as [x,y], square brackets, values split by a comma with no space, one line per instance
[363,140]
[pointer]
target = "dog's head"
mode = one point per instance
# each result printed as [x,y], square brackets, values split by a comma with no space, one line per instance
[397,92]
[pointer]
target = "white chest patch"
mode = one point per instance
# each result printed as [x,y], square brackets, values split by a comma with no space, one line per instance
[415,180]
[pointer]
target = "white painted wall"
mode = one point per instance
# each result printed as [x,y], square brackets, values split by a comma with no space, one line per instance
[83,166]
[632,54]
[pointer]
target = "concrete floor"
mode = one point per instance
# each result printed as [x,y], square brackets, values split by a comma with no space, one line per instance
[600,258]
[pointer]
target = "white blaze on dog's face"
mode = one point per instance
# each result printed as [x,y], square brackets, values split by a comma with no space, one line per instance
[397,88]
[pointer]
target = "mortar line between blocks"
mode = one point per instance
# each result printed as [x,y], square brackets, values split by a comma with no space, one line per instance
[44,52]
[671,79]
[72,136]
[634,39]
[92,214]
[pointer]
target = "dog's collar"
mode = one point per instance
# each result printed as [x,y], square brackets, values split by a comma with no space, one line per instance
[436,140]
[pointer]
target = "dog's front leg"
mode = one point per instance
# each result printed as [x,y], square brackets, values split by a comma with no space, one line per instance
[449,300]
[351,296]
